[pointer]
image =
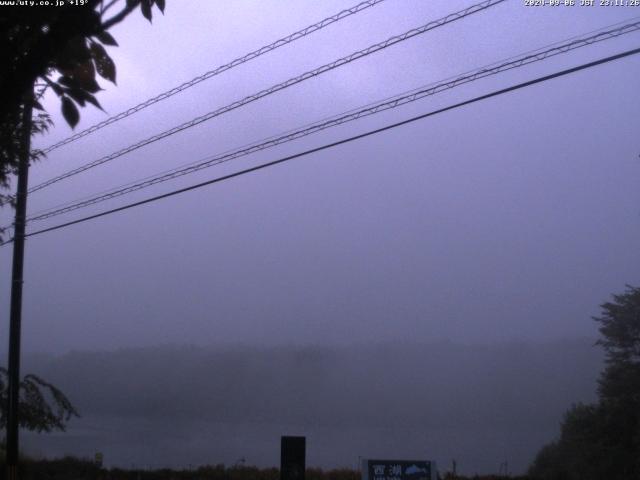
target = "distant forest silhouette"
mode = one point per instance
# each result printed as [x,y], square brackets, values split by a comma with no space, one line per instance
[429,385]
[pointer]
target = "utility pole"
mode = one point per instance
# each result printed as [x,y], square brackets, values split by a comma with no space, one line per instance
[16,293]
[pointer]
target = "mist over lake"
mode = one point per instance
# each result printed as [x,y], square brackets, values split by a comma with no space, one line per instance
[181,406]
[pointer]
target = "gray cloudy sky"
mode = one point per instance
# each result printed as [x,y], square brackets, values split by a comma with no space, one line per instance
[509,219]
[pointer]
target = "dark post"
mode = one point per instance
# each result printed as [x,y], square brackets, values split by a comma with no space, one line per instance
[292,458]
[16,296]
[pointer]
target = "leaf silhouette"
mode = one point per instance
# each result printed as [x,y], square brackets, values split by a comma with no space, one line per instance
[104,65]
[70,112]
[145,7]
[107,39]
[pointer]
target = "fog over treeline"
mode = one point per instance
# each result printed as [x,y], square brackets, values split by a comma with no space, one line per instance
[180,405]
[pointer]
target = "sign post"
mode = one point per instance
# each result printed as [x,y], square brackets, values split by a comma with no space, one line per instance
[292,458]
[398,470]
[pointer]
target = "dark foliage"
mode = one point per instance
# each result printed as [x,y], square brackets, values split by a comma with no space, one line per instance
[603,440]
[43,408]
[73,468]
[63,468]
[60,49]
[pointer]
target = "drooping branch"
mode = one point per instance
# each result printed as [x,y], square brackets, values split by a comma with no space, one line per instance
[43,407]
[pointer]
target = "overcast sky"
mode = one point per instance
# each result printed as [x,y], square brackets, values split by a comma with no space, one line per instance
[513,218]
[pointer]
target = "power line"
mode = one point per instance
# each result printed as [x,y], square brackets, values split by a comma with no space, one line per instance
[275,88]
[353,115]
[372,109]
[218,70]
[343,141]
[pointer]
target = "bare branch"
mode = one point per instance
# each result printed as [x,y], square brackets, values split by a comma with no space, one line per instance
[104,9]
[119,17]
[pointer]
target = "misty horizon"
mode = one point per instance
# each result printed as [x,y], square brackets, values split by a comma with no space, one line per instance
[427,291]
[431,401]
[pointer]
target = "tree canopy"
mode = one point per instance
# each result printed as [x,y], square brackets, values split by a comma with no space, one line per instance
[603,440]
[61,48]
